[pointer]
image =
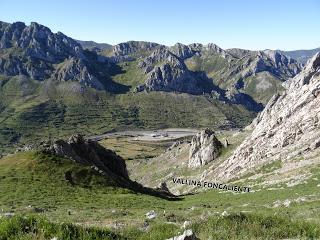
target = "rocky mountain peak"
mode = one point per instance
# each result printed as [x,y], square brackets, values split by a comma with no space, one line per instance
[36,52]
[39,42]
[186,51]
[168,72]
[215,48]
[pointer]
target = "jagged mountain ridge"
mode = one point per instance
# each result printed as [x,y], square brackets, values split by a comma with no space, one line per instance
[40,54]
[36,52]
[249,72]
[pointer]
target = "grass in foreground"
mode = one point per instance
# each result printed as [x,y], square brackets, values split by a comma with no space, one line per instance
[31,227]
[235,226]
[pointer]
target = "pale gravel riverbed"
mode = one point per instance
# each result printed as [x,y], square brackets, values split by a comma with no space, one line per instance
[149,135]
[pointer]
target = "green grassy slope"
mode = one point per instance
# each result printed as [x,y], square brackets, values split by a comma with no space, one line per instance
[261,86]
[34,181]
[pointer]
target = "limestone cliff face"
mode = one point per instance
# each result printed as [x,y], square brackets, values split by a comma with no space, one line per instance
[288,127]
[189,68]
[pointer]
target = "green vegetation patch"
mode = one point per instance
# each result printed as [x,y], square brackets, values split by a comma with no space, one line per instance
[249,226]
[32,227]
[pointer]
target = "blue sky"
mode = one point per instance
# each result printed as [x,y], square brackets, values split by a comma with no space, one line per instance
[249,24]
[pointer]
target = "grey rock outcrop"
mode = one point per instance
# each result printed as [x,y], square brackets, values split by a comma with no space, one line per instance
[288,127]
[186,51]
[166,70]
[90,153]
[234,96]
[197,49]
[205,148]
[13,65]
[243,62]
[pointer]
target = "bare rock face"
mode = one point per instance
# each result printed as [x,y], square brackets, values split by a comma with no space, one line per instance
[76,69]
[288,127]
[167,72]
[39,41]
[186,51]
[205,147]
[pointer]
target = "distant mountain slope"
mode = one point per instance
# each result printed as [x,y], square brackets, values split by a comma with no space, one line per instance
[91,45]
[301,56]
[185,68]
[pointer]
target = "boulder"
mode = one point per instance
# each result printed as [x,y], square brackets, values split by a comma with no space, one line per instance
[205,147]
[151,215]
[187,235]
[9,214]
